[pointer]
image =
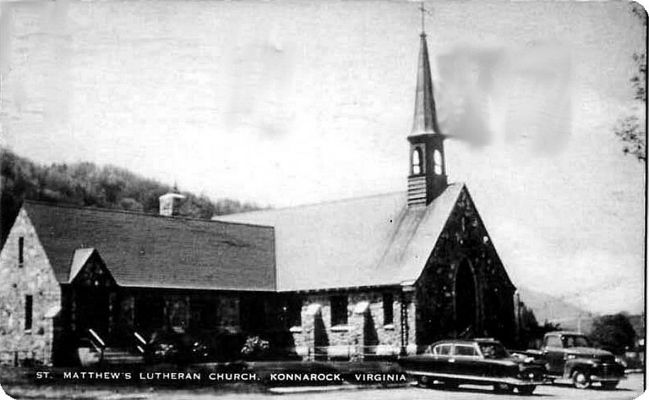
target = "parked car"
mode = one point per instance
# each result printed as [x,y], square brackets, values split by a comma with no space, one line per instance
[571,358]
[476,361]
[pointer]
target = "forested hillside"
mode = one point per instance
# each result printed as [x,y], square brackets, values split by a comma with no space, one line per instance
[87,184]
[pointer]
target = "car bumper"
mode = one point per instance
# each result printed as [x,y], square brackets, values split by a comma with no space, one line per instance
[481,379]
[607,373]
[598,378]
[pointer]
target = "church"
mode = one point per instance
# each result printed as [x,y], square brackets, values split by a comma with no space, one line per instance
[376,276]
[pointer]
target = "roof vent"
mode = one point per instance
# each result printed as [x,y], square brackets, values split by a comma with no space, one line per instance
[169,204]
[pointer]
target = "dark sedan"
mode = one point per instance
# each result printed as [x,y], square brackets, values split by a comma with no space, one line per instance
[477,362]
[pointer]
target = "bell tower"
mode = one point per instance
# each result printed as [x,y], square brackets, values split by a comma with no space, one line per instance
[427,175]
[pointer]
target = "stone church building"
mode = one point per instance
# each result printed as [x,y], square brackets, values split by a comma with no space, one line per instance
[374,276]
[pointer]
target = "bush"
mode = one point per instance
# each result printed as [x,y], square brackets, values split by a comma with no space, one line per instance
[217,345]
[255,347]
[169,347]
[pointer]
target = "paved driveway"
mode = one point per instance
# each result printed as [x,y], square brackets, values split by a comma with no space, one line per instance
[628,389]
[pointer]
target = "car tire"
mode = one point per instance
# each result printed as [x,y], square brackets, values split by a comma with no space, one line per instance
[424,381]
[526,390]
[580,379]
[503,388]
[609,385]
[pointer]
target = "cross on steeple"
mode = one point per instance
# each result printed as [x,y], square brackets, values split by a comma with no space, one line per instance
[424,11]
[423,18]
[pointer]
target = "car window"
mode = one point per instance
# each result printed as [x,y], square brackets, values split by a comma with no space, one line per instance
[465,350]
[576,341]
[554,341]
[493,350]
[442,350]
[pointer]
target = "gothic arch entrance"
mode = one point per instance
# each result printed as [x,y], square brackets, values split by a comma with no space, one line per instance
[465,300]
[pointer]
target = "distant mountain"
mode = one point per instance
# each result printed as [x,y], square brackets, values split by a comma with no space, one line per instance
[638,322]
[556,310]
[87,184]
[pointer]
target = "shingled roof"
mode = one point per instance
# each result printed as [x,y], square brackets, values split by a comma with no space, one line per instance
[367,241]
[146,250]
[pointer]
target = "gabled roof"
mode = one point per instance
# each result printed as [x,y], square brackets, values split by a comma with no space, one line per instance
[368,241]
[147,250]
[79,260]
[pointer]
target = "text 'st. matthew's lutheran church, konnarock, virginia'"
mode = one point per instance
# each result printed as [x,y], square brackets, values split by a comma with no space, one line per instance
[376,275]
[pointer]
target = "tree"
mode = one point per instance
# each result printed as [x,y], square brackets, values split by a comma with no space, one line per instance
[531,333]
[629,128]
[613,332]
[86,184]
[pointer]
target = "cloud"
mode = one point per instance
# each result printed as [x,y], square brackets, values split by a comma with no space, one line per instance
[518,96]
[261,88]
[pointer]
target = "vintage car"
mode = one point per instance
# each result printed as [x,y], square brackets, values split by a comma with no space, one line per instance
[477,362]
[571,358]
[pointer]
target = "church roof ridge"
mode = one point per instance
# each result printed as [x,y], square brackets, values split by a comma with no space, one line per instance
[318,203]
[135,213]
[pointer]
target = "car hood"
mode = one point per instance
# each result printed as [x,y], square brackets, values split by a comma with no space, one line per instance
[588,351]
[516,361]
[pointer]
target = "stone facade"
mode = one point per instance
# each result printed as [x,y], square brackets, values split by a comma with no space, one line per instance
[365,333]
[31,277]
[464,245]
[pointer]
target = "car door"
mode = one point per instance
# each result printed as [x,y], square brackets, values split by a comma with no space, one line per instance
[442,358]
[466,360]
[432,360]
[553,352]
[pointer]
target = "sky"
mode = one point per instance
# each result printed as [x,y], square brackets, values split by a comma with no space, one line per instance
[292,102]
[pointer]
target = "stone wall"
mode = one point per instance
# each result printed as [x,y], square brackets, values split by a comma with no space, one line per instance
[365,333]
[464,240]
[34,278]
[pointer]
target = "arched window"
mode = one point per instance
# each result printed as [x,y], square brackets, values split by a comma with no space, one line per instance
[416,161]
[437,159]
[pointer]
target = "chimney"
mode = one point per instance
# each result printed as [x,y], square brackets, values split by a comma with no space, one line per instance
[170,203]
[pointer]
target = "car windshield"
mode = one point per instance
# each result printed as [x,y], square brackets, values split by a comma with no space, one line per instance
[493,350]
[576,341]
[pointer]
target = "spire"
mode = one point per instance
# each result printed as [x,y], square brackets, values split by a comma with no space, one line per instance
[425,118]
[427,178]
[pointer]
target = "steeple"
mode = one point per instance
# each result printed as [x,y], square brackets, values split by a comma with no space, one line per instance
[425,118]
[427,178]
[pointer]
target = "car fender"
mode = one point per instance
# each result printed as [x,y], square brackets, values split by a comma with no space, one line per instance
[534,354]
[577,363]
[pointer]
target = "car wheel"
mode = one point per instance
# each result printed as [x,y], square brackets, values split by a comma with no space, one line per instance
[580,379]
[526,390]
[503,388]
[609,385]
[424,381]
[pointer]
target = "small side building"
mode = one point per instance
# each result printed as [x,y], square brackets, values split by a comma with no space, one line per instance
[65,270]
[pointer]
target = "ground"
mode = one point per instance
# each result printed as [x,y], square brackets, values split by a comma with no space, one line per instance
[628,389]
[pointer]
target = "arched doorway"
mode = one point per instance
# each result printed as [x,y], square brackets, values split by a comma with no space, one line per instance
[465,301]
